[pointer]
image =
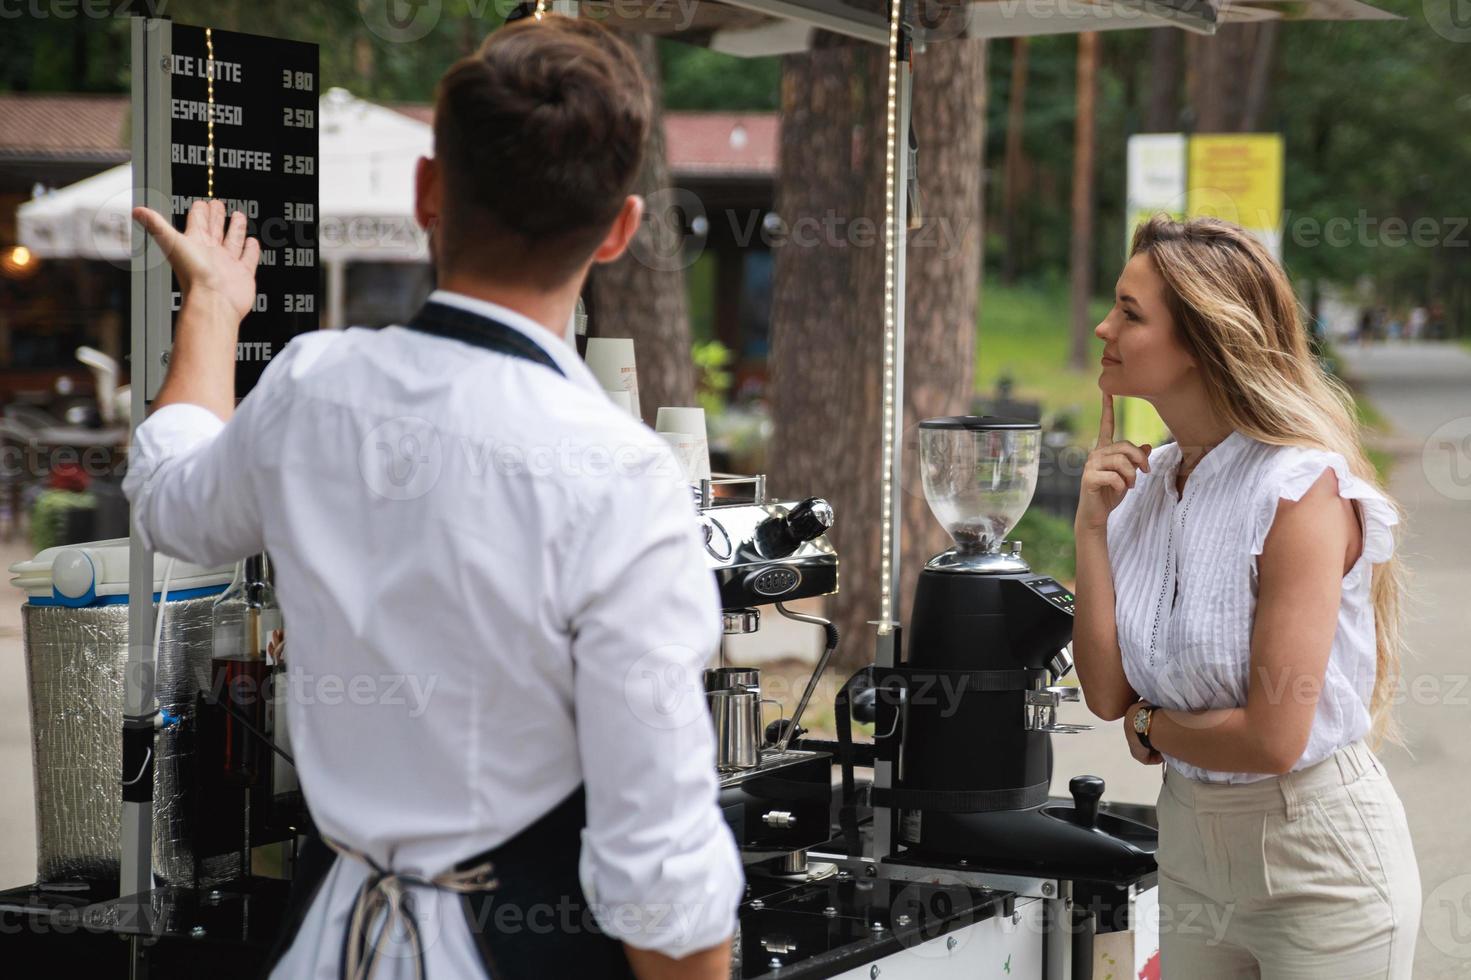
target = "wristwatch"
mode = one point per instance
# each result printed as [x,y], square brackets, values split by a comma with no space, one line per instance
[1143,717]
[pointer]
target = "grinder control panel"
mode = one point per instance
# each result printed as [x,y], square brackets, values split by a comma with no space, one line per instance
[1053,592]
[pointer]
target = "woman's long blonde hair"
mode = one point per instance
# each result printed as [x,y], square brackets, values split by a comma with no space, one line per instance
[1236,313]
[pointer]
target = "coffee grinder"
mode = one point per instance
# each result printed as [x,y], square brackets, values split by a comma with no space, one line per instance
[973,703]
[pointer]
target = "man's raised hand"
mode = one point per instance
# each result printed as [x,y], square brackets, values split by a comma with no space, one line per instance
[209,254]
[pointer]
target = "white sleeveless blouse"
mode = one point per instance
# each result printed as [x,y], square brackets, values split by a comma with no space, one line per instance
[1185,580]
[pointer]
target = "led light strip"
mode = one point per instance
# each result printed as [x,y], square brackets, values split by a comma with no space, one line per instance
[886,521]
[209,80]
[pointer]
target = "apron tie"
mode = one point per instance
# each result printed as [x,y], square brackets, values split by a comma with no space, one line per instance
[386,893]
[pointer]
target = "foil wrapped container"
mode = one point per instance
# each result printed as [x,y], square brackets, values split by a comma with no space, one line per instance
[75,664]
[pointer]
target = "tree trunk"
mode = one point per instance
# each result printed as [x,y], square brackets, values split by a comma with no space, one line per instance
[1219,75]
[1014,166]
[944,272]
[1166,52]
[827,311]
[1259,78]
[1081,253]
[642,295]
[826,328]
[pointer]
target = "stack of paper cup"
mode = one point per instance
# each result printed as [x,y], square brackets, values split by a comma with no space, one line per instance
[610,359]
[684,430]
[624,400]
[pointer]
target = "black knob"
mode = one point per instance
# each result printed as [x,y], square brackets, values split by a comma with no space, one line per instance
[775,730]
[778,537]
[810,519]
[1087,791]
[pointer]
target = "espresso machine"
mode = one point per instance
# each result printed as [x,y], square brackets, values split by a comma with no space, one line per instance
[776,798]
[970,710]
[809,909]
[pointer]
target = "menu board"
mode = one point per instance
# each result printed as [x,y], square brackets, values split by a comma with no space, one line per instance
[259,157]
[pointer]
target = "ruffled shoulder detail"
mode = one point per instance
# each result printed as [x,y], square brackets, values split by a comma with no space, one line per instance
[1295,470]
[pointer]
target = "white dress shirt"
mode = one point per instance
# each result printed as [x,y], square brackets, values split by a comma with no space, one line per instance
[1185,581]
[494,590]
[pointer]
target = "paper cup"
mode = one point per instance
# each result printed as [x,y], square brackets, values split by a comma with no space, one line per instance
[610,359]
[623,399]
[690,420]
[691,453]
[684,430]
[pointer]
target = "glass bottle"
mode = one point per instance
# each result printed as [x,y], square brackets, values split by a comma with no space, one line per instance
[243,619]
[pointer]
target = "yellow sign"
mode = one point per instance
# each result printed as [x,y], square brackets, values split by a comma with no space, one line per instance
[1233,176]
[1238,177]
[1137,421]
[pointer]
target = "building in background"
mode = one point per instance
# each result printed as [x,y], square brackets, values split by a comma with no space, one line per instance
[723,166]
[50,308]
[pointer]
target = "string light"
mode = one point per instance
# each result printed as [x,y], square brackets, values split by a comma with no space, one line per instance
[209,79]
[891,232]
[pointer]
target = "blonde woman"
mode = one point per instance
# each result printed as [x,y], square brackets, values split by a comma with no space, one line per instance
[1238,611]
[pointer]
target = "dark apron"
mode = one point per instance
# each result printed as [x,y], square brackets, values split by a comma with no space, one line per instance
[534,922]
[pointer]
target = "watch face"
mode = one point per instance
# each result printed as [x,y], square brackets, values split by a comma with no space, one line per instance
[1139,720]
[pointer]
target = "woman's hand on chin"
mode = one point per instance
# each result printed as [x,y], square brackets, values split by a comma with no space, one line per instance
[1110,472]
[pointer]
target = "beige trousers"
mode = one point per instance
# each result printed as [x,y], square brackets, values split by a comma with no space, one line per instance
[1307,875]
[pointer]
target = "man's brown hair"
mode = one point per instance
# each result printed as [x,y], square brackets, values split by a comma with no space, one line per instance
[539,135]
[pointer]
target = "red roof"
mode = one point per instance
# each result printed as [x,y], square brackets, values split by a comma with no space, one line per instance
[94,127]
[64,126]
[705,144]
[722,143]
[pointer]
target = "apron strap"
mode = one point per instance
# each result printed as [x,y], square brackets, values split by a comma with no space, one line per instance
[451,322]
[385,894]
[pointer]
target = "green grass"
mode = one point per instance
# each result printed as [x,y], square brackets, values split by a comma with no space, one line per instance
[1023,334]
[1383,464]
[1370,416]
[1373,421]
[1047,544]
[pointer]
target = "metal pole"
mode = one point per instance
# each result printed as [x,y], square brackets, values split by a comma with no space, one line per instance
[151,311]
[336,294]
[886,653]
[901,264]
[1057,940]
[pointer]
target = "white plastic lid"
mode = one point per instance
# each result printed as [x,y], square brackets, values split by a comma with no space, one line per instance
[96,573]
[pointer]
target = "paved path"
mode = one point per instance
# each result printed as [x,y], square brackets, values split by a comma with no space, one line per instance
[17,798]
[1419,388]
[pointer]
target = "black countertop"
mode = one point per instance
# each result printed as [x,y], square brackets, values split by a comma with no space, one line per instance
[824,928]
[787,929]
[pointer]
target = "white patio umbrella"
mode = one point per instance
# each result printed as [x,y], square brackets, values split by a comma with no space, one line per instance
[365,193]
[85,220]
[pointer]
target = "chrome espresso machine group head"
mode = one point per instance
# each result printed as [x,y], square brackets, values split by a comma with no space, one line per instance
[776,799]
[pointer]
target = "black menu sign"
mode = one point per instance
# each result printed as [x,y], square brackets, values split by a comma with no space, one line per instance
[243,129]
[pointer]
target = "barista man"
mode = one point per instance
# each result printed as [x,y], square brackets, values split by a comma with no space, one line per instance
[497,596]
